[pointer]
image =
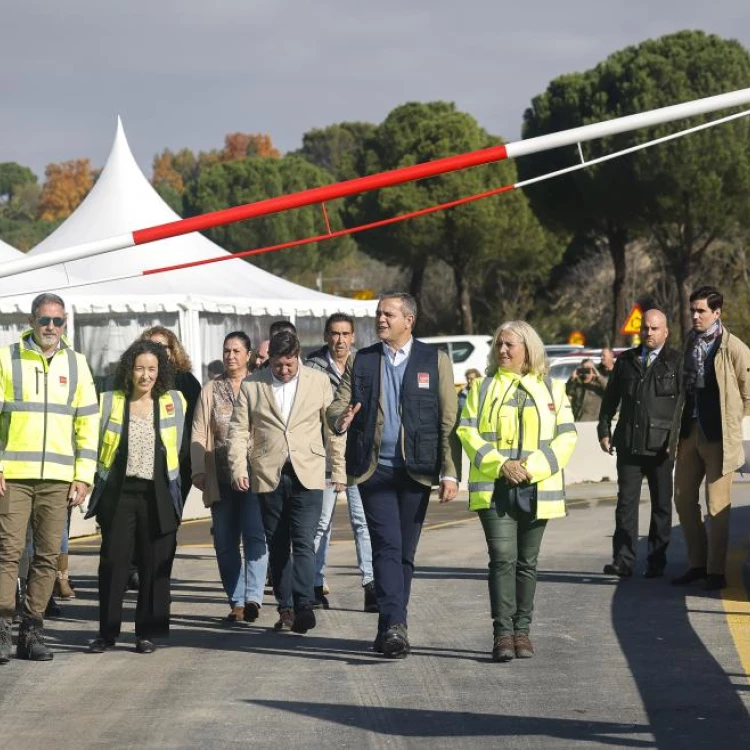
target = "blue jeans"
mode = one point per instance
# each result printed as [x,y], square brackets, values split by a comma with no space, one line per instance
[237,517]
[359,527]
[290,515]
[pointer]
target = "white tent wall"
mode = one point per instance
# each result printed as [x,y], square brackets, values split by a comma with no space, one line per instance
[14,324]
[103,338]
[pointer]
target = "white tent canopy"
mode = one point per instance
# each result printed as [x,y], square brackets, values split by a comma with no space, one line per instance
[8,252]
[201,304]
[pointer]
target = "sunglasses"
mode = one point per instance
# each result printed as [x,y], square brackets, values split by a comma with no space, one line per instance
[45,320]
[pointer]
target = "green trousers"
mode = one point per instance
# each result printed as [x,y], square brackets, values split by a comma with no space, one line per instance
[513,541]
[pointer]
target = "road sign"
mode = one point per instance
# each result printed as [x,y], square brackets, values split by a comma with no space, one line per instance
[577,337]
[632,324]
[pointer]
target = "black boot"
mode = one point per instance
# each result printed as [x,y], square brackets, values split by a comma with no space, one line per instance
[53,608]
[20,595]
[321,600]
[6,639]
[31,641]
[371,599]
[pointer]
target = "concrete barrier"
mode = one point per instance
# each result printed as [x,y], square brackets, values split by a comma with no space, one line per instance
[194,508]
[587,464]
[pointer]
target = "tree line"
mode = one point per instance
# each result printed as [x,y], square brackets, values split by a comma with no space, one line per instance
[574,252]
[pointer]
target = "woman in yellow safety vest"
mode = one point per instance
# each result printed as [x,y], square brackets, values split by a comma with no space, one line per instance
[518,432]
[136,499]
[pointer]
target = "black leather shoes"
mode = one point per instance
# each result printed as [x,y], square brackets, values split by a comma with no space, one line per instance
[691,575]
[377,644]
[144,646]
[715,582]
[618,569]
[653,571]
[304,620]
[371,598]
[321,600]
[396,642]
[100,645]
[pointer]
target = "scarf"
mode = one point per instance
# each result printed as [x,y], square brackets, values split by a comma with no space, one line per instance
[696,353]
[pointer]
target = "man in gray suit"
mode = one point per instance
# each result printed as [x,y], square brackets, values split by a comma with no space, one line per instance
[282,409]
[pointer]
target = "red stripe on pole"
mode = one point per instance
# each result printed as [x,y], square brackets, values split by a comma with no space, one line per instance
[333,235]
[320,194]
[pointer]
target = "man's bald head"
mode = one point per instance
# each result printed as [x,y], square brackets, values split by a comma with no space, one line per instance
[654,329]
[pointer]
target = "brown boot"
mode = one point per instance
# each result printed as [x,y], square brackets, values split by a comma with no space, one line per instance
[63,589]
[502,648]
[523,645]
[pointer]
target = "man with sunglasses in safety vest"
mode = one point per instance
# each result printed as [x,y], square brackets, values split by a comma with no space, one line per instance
[49,434]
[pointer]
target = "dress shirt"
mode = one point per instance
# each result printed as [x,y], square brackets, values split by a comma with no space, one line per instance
[285,394]
[332,363]
[648,356]
[398,356]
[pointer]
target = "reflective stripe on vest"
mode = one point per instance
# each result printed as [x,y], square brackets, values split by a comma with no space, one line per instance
[42,402]
[550,491]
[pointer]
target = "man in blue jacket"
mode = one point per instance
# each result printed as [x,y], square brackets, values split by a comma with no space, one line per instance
[397,404]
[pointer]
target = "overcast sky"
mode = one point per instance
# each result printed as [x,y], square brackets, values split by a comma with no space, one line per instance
[185,72]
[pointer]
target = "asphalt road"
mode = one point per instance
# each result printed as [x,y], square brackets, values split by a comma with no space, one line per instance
[632,664]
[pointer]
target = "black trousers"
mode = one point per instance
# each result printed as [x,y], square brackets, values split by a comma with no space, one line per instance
[630,472]
[134,530]
[290,517]
[395,507]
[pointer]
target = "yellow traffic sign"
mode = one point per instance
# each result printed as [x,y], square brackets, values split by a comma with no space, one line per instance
[632,324]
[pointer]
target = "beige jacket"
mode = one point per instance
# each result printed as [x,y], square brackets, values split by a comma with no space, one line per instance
[256,415]
[733,376]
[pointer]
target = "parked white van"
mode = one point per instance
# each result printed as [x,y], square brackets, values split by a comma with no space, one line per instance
[466,352]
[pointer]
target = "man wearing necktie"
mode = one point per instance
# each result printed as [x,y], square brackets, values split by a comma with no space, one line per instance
[645,384]
[716,376]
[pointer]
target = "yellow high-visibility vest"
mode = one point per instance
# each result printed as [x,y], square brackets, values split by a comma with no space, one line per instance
[172,407]
[49,417]
[489,431]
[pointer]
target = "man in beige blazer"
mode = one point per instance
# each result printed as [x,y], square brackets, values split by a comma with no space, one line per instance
[282,409]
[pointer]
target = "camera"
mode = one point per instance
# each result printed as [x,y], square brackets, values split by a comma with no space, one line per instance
[582,372]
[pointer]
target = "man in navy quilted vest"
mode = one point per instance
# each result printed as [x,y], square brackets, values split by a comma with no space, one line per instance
[397,405]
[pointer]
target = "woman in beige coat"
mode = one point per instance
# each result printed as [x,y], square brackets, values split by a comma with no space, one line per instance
[236,514]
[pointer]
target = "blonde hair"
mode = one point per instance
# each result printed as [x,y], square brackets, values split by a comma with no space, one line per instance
[179,357]
[536,358]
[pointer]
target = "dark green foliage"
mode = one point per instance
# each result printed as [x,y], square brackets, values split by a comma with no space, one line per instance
[495,242]
[254,179]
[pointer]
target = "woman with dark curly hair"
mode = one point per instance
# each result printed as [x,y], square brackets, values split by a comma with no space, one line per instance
[136,499]
[184,382]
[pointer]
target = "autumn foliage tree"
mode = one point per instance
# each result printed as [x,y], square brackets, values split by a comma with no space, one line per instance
[66,185]
[174,170]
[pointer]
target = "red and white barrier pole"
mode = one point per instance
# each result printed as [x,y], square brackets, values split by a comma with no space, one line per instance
[381,180]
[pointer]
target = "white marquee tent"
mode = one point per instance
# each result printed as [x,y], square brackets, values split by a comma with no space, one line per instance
[8,252]
[200,304]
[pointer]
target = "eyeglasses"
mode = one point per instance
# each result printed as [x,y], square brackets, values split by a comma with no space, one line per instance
[45,320]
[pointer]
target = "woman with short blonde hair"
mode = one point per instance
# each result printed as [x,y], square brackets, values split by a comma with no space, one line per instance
[536,358]
[517,430]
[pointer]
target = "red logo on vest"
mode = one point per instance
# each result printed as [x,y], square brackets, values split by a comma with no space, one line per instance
[63,380]
[423,379]
[170,408]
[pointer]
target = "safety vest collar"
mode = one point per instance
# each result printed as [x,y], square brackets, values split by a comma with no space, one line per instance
[29,344]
